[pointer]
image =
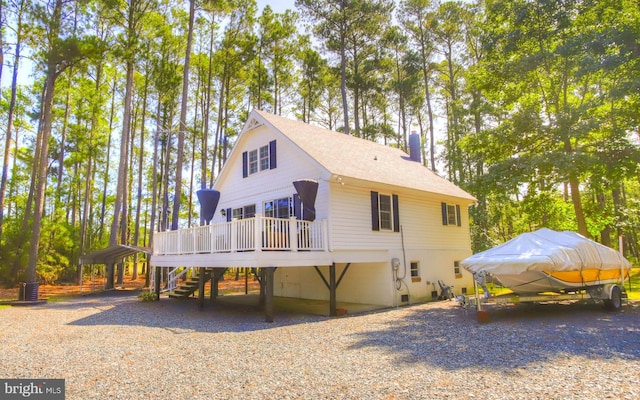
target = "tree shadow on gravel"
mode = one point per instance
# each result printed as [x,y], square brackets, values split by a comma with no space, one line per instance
[516,336]
[180,316]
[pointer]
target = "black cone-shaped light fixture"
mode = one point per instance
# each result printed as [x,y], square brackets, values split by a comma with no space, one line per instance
[208,199]
[307,190]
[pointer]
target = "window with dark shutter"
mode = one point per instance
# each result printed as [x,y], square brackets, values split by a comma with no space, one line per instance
[253,162]
[245,164]
[385,214]
[375,217]
[260,159]
[445,219]
[272,155]
[264,158]
[396,214]
[451,214]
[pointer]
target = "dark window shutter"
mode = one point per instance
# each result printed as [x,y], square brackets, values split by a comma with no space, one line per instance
[444,213]
[229,214]
[297,206]
[458,215]
[245,164]
[396,214]
[375,216]
[272,155]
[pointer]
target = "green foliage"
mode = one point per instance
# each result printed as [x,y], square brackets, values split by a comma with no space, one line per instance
[54,262]
[147,296]
[531,100]
[632,285]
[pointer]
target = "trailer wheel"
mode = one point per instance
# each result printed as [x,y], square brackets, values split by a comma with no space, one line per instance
[615,301]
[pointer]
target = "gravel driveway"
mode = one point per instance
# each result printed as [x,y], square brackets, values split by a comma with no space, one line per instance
[116,347]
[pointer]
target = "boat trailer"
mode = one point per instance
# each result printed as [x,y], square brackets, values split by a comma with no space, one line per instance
[611,294]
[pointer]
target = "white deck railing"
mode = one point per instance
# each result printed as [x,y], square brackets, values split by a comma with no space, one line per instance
[251,234]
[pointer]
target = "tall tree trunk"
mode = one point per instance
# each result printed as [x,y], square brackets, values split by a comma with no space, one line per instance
[136,233]
[41,162]
[574,184]
[122,169]
[343,72]
[205,117]
[11,112]
[216,146]
[225,121]
[1,49]
[192,168]
[605,233]
[175,219]
[105,183]
[85,211]
[427,96]
[154,192]
[41,159]
[63,142]
[164,178]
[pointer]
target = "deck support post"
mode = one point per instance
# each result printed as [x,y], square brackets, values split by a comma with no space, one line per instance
[332,290]
[215,281]
[214,286]
[268,285]
[201,280]
[156,282]
[332,285]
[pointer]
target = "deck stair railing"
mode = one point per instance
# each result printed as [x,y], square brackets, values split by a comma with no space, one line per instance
[173,277]
[251,234]
[175,274]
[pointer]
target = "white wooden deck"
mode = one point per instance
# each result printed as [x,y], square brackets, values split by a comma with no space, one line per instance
[252,242]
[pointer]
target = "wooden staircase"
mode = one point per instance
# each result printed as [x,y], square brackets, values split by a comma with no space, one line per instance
[190,286]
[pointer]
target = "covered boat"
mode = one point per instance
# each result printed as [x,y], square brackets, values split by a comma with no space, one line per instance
[550,261]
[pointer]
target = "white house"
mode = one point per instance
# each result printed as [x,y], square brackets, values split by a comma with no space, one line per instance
[383,229]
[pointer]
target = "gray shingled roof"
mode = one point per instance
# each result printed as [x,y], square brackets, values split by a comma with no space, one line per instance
[352,157]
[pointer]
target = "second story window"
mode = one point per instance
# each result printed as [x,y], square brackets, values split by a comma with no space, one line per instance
[451,214]
[385,212]
[260,159]
[253,162]
[264,158]
[386,223]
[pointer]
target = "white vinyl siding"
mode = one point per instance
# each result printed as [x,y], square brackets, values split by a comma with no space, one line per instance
[350,223]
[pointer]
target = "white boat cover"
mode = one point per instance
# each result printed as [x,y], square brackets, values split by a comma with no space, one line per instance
[546,250]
